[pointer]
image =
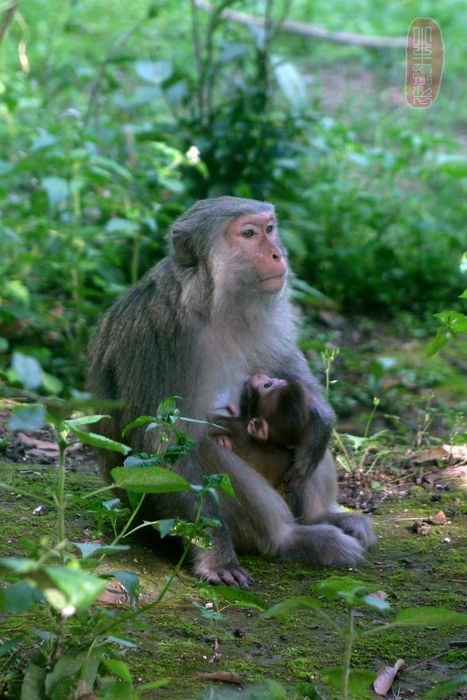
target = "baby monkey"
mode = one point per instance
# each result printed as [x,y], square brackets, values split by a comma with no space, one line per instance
[274,418]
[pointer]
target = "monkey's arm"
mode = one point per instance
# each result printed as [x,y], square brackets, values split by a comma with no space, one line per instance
[311,451]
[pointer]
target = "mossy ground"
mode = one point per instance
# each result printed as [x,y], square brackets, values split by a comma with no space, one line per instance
[178,641]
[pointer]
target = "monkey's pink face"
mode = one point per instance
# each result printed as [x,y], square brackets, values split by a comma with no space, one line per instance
[255,238]
[264,384]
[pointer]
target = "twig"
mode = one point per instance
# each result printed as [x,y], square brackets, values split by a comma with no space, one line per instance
[311,30]
[7,19]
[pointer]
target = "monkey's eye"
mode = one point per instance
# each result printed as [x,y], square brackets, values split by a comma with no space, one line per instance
[249,233]
[267,385]
[269,228]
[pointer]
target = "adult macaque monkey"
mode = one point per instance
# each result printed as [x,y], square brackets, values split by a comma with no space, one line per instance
[274,419]
[212,313]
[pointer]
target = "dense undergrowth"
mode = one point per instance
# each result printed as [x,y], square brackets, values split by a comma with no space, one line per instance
[108,133]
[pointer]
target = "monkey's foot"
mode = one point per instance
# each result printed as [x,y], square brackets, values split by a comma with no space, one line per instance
[231,574]
[353,524]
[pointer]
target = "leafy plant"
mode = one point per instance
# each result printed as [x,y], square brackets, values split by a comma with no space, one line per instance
[67,586]
[351,681]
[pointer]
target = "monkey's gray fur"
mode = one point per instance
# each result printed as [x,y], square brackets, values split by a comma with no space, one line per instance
[196,326]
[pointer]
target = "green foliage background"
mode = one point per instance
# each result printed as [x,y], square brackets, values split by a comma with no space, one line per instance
[100,103]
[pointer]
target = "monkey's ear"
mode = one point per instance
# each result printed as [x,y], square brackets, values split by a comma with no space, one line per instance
[183,250]
[258,428]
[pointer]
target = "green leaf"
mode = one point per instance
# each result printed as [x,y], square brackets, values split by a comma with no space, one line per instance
[291,83]
[130,581]
[79,588]
[33,686]
[276,690]
[20,596]
[360,679]
[53,385]
[239,596]
[347,590]
[67,667]
[222,482]
[375,602]
[28,370]
[100,441]
[165,527]
[301,602]
[56,188]
[154,72]
[455,321]
[118,668]
[149,480]
[136,423]
[85,420]
[438,342]
[87,550]
[6,647]
[28,418]
[430,617]
[447,687]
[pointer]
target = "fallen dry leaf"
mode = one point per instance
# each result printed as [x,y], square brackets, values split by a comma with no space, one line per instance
[43,447]
[386,677]
[438,519]
[224,676]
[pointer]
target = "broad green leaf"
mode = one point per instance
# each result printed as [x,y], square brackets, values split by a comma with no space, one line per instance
[100,441]
[68,665]
[222,482]
[130,228]
[455,321]
[360,679]
[443,689]
[291,84]
[53,385]
[276,690]
[7,647]
[375,602]
[20,596]
[33,686]
[28,370]
[154,72]
[79,588]
[165,527]
[87,550]
[56,188]
[438,342]
[302,602]
[85,420]
[239,596]
[142,420]
[347,590]
[430,617]
[130,581]
[118,668]
[28,418]
[149,480]
[121,641]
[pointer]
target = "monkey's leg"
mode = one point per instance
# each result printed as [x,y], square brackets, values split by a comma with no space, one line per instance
[316,502]
[260,521]
[218,565]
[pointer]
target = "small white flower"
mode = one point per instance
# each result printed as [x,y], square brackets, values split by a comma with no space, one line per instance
[193,155]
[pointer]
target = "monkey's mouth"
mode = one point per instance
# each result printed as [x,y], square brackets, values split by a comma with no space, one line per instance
[273,277]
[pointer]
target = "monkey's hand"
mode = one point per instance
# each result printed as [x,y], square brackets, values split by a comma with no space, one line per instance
[224,441]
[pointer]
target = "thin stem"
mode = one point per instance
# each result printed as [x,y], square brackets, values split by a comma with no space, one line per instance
[348,653]
[61,502]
